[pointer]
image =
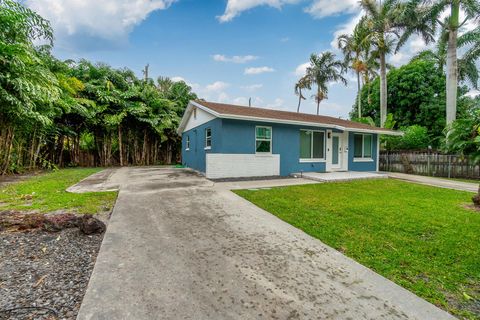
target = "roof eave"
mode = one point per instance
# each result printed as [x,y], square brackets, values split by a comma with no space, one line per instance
[192,104]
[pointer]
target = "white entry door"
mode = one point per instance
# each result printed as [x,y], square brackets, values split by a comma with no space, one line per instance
[337,152]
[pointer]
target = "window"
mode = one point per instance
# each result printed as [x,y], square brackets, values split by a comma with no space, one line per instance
[312,145]
[363,146]
[263,139]
[208,138]
[195,113]
[187,143]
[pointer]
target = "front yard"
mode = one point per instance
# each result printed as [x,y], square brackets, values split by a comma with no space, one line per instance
[423,238]
[46,193]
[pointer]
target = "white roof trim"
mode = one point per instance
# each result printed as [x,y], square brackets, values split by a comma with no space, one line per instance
[192,104]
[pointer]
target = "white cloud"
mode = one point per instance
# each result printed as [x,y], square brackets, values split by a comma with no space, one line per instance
[258,70]
[285,39]
[234,59]
[236,7]
[223,97]
[324,8]
[276,104]
[252,87]
[178,79]
[301,69]
[217,86]
[346,28]
[110,20]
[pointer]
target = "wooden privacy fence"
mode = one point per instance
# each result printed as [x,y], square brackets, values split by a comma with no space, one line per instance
[430,164]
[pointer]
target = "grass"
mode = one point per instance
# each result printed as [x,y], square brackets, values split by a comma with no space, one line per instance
[423,238]
[46,193]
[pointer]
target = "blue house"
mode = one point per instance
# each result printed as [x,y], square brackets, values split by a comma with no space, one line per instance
[228,141]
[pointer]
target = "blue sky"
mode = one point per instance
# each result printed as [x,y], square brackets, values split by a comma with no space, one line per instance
[227,50]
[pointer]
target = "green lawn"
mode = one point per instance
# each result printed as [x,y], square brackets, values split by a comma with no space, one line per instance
[46,193]
[423,238]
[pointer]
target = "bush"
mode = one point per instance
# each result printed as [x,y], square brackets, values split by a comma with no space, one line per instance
[415,137]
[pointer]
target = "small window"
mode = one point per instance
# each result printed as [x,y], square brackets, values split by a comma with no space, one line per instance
[195,113]
[208,138]
[312,145]
[187,143]
[263,139]
[363,146]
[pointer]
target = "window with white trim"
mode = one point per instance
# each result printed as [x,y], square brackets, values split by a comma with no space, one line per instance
[312,145]
[208,138]
[187,143]
[263,139]
[363,146]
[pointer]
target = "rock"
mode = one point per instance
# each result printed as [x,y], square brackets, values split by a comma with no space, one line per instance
[90,225]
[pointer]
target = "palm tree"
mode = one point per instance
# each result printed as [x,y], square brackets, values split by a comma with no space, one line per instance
[319,97]
[355,48]
[324,68]
[431,11]
[384,22]
[302,84]
[467,69]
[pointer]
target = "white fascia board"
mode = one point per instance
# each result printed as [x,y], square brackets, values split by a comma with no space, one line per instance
[188,112]
[388,133]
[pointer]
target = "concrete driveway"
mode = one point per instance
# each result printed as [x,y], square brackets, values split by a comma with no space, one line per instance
[179,246]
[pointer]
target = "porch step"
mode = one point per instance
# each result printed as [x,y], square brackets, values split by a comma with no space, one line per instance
[340,176]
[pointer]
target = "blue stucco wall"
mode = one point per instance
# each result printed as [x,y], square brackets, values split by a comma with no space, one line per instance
[362,166]
[195,157]
[238,137]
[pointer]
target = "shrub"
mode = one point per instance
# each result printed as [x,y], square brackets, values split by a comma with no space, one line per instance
[415,137]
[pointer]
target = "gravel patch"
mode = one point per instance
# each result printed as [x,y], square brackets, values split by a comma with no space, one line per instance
[44,275]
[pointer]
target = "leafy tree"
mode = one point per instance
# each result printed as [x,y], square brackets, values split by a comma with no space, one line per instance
[323,69]
[415,138]
[416,95]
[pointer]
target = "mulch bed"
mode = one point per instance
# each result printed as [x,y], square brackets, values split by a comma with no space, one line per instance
[44,274]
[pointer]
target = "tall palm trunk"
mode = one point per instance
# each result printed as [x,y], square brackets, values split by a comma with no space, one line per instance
[299,99]
[318,102]
[383,90]
[452,70]
[359,98]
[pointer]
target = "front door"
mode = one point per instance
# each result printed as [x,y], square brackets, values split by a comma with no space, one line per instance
[337,151]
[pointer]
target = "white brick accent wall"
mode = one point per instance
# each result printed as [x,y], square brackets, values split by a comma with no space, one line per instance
[219,165]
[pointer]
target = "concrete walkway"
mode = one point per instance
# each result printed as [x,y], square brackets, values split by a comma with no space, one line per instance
[341,176]
[436,182]
[181,247]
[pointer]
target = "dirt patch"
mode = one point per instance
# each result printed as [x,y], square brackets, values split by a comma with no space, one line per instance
[9,179]
[471,206]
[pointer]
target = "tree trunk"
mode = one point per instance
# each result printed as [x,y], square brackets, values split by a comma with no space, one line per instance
[299,100]
[359,98]
[144,148]
[120,149]
[383,90]
[9,152]
[476,198]
[452,70]
[318,102]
